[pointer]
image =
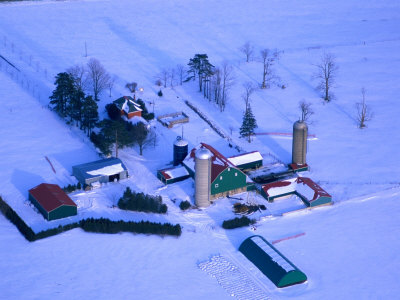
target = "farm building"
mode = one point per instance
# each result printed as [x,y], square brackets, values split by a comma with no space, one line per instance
[225,177]
[52,201]
[128,106]
[104,170]
[310,193]
[247,161]
[271,262]
[172,175]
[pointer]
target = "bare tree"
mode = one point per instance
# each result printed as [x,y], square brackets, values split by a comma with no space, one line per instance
[79,74]
[143,136]
[326,74]
[180,70]
[227,83]
[98,77]
[306,110]
[268,58]
[163,76]
[131,86]
[172,77]
[364,113]
[249,89]
[248,50]
[111,84]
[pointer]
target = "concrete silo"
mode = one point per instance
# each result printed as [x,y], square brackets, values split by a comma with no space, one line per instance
[180,150]
[299,147]
[202,177]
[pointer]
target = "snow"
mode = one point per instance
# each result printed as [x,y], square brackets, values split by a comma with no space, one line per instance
[290,188]
[107,171]
[306,191]
[344,254]
[245,158]
[177,172]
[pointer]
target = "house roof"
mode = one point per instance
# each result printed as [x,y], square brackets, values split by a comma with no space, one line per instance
[218,162]
[245,158]
[50,196]
[127,104]
[103,167]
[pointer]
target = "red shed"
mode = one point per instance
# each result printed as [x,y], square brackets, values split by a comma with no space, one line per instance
[52,201]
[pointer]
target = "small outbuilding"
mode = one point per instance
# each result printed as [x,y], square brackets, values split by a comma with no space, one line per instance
[52,201]
[271,262]
[172,175]
[247,161]
[102,171]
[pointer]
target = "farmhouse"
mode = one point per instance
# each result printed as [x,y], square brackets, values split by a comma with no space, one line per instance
[224,177]
[172,175]
[247,161]
[271,262]
[104,170]
[128,107]
[52,201]
[310,193]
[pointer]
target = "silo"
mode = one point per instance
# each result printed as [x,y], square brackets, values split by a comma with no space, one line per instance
[202,177]
[299,148]
[180,150]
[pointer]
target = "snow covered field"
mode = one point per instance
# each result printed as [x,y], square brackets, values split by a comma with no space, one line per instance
[349,250]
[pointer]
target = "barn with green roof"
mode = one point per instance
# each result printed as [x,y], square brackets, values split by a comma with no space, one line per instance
[271,262]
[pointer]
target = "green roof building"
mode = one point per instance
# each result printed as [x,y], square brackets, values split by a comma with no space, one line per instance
[271,262]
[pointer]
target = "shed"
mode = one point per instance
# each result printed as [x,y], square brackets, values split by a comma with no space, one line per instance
[172,175]
[246,161]
[104,170]
[309,192]
[52,201]
[271,262]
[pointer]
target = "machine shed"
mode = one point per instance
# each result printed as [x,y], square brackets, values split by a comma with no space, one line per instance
[271,262]
[104,170]
[246,161]
[52,201]
[172,175]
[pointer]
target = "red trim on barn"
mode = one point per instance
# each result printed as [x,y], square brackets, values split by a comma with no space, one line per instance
[318,191]
[276,184]
[216,168]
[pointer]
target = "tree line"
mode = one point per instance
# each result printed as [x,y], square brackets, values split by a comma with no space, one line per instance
[141,202]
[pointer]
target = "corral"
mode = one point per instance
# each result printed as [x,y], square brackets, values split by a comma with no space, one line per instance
[169,120]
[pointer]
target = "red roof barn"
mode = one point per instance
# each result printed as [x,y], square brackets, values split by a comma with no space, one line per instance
[52,201]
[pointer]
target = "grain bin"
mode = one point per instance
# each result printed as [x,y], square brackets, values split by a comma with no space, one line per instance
[202,177]
[299,148]
[180,150]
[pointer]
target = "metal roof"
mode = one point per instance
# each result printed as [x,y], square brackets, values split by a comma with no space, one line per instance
[218,162]
[271,262]
[84,169]
[51,196]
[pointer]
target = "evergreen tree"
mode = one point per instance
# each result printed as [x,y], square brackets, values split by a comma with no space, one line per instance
[249,124]
[114,113]
[90,115]
[200,66]
[62,94]
[75,105]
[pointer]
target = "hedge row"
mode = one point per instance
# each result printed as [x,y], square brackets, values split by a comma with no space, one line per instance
[107,226]
[90,225]
[237,222]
